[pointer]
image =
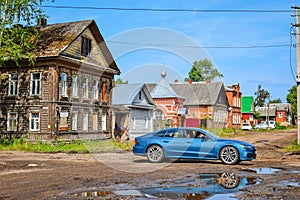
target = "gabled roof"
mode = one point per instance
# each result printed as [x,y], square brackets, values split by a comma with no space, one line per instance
[125,94]
[55,38]
[266,111]
[164,90]
[247,104]
[199,93]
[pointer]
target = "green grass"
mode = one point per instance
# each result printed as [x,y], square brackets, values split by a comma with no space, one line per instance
[294,146]
[102,146]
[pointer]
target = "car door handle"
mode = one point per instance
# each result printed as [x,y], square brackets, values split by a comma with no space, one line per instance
[189,142]
[165,141]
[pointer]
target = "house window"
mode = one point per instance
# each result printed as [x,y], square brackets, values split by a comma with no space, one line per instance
[74,86]
[280,115]
[35,83]
[85,86]
[11,121]
[85,125]
[64,84]
[13,84]
[95,89]
[103,122]
[104,92]
[146,123]
[86,46]
[158,114]
[133,123]
[95,122]
[34,121]
[74,121]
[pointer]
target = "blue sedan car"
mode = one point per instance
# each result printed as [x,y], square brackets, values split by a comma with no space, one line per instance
[192,143]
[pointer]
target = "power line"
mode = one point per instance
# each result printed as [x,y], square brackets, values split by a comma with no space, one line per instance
[169,9]
[197,47]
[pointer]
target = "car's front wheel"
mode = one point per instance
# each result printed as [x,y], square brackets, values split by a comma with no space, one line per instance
[229,155]
[155,153]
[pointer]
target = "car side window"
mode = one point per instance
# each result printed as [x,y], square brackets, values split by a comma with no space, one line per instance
[200,135]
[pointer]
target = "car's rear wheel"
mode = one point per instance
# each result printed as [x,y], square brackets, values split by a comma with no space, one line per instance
[229,155]
[155,154]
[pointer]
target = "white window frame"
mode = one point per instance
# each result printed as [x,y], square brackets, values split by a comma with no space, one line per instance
[103,122]
[85,122]
[74,121]
[95,90]
[35,84]
[280,115]
[34,121]
[85,88]
[75,86]
[12,121]
[64,88]
[13,85]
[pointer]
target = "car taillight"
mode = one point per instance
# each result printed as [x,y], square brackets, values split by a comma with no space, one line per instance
[135,141]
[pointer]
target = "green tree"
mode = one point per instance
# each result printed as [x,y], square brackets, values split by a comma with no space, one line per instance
[276,100]
[120,81]
[261,96]
[17,37]
[203,70]
[292,98]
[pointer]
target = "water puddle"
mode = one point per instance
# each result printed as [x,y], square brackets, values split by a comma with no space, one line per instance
[205,186]
[264,170]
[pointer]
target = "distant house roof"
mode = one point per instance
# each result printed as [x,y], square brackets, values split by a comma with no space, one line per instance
[199,93]
[163,89]
[282,106]
[125,94]
[247,104]
[266,111]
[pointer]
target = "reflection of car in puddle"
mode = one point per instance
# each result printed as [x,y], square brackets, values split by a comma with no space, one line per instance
[204,186]
[210,184]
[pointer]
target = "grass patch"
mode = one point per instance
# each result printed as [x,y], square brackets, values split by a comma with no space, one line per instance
[101,146]
[294,146]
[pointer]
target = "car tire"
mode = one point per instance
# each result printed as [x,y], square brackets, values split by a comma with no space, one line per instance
[155,154]
[229,155]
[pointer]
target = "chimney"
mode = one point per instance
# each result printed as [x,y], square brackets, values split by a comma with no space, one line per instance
[42,22]
[176,81]
[190,81]
[208,80]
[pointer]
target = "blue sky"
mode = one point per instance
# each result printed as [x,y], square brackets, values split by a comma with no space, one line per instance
[143,42]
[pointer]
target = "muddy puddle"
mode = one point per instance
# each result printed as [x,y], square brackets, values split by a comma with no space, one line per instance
[203,186]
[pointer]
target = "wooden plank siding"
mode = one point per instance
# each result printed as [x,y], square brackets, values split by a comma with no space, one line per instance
[55,109]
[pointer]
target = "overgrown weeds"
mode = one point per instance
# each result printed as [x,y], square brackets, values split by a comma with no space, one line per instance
[78,146]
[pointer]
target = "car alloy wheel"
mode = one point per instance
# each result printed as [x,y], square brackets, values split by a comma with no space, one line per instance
[229,180]
[229,155]
[155,154]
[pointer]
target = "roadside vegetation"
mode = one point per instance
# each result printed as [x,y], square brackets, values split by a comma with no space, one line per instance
[79,146]
[294,146]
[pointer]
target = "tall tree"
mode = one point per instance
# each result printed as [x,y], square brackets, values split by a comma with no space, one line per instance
[17,37]
[276,100]
[203,70]
[261,97]
[292,98]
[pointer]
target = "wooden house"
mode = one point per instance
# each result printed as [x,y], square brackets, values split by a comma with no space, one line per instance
[206,103]
[67,92]
[132,110]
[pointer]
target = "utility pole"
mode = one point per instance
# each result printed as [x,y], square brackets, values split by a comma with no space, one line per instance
[297,67]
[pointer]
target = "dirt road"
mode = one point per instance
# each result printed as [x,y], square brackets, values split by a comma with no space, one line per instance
[275,174]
